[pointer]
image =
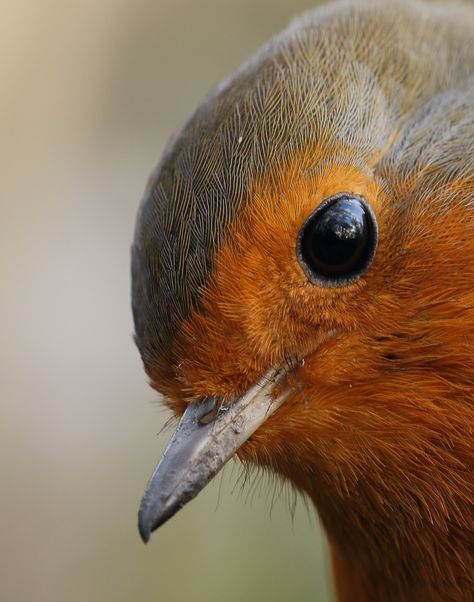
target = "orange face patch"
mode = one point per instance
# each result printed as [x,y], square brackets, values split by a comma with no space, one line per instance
[387,358]
[259,307]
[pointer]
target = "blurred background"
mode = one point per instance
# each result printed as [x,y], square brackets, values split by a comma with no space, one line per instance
[91,91]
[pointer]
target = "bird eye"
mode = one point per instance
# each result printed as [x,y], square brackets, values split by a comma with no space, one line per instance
[337,242]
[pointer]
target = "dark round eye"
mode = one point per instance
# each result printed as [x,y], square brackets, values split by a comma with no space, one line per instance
[337,242]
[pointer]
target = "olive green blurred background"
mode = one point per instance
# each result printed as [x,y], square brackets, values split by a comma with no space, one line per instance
[90,93]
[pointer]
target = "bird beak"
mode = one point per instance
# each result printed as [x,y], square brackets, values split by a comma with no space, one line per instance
[201,446]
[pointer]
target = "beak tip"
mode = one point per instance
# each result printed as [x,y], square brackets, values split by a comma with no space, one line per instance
[150,518]
[144,529]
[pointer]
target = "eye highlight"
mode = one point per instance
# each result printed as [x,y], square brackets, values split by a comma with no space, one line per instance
[337,242]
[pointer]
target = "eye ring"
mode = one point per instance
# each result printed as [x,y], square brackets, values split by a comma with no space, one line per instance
[337,243]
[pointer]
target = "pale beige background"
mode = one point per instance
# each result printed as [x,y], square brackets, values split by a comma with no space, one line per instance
[90,92]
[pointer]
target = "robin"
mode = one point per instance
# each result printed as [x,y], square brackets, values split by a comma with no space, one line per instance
[303,290]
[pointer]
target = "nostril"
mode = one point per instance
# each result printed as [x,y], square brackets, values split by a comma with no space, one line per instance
[219,408]
[210,408]
[209,417]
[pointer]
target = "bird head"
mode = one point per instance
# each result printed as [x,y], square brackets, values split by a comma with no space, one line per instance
[302,274]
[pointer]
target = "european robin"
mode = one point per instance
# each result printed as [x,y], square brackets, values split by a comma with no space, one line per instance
[303,290]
